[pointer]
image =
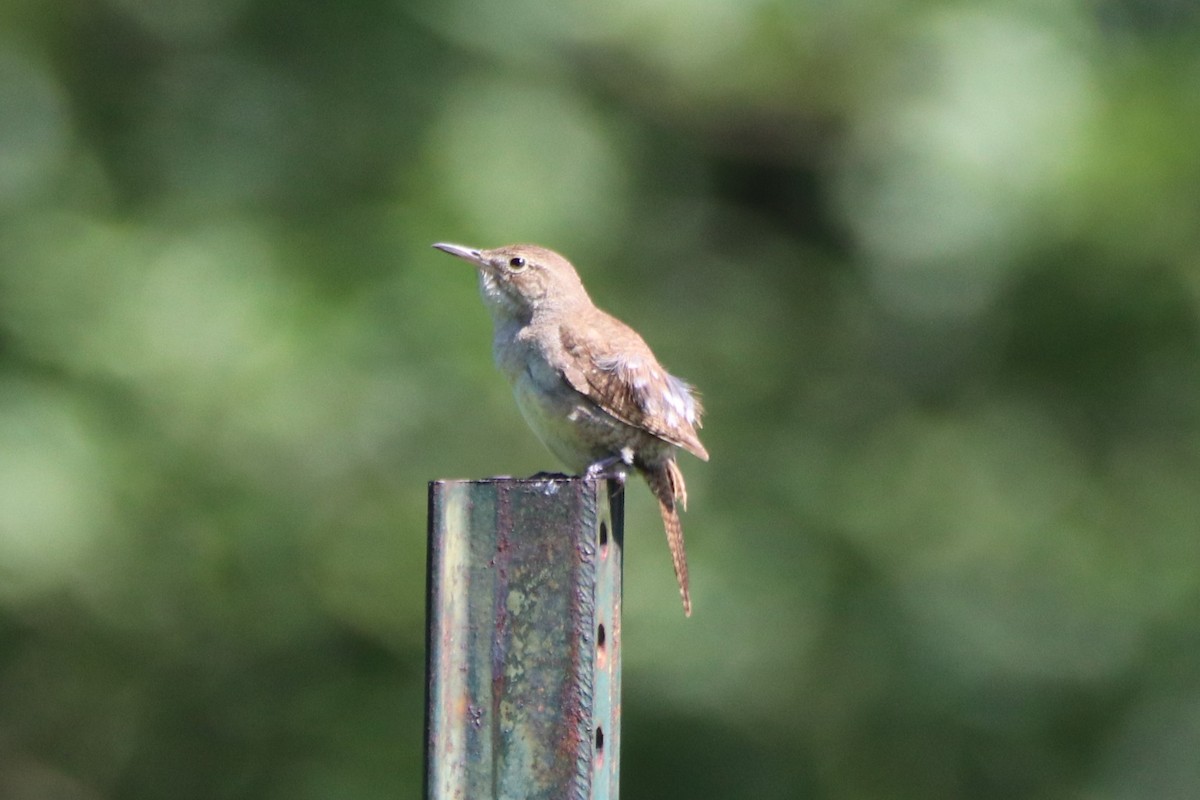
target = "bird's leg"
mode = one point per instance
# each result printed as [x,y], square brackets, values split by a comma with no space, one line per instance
[614,466]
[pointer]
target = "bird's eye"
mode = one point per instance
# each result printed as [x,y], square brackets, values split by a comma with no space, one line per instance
[516,263]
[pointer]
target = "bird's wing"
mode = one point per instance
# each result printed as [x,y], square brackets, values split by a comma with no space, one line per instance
[617,371]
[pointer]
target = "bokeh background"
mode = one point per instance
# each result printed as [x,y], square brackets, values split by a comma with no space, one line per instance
[935,267]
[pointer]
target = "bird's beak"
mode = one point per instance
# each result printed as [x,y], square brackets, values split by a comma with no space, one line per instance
[468,254]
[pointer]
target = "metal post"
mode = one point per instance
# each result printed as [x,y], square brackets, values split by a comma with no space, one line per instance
[523,640]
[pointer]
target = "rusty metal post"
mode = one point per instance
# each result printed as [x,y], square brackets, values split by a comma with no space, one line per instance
[523,656]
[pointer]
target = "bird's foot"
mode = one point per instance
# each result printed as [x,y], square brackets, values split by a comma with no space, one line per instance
[614,467]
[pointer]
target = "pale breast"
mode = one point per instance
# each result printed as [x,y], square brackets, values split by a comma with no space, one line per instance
[574,428]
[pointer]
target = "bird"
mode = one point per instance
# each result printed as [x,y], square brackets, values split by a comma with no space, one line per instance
[585,382]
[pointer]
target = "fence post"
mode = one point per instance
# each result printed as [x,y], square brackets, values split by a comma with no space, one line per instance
[523,639]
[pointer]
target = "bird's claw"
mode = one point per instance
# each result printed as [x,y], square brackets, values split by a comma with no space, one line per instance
[611,468]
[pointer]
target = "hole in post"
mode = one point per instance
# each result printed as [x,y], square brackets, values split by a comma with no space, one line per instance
[600,636]
[599,740]
[603,534]
[601,647]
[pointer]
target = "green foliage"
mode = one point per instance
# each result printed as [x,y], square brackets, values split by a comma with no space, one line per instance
[933,266]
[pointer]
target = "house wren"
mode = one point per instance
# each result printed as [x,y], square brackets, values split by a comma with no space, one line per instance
[585,381]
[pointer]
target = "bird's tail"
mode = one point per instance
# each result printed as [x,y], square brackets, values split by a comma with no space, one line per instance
[666,481]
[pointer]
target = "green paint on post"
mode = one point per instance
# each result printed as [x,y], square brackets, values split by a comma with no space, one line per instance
[523,640]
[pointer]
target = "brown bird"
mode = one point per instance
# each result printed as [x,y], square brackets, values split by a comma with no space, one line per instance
[586,382]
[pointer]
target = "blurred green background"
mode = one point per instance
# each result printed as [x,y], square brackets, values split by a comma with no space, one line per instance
[935,267]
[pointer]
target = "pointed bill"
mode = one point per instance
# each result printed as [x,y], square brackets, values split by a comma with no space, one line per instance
[465,253]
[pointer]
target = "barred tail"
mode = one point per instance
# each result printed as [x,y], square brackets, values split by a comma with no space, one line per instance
[666,481]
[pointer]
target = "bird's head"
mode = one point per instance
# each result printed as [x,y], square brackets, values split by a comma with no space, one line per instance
[520,279]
